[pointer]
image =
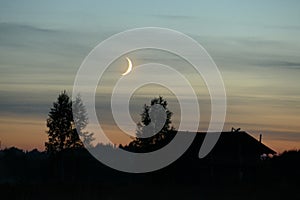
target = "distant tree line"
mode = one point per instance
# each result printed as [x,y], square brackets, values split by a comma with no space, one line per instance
[78,166]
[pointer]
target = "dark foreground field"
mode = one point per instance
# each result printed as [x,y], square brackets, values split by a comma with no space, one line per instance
[75,174]
[153,192]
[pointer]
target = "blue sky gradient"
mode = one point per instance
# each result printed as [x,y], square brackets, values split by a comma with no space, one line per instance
[255,44]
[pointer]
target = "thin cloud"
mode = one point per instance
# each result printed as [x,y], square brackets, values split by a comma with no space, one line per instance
[251,51]
[22,35]
[8,27]
[174,17]
[286,27]
[280,63]
[272,63]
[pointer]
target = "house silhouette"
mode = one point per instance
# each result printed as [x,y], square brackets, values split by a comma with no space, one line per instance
[235,156]
[233,146]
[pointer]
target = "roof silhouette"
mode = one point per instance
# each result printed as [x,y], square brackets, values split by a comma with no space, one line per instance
[234,145]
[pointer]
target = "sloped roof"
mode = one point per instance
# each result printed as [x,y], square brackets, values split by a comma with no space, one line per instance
[231,143]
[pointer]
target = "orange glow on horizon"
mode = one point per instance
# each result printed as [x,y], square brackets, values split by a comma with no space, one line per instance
[30,133]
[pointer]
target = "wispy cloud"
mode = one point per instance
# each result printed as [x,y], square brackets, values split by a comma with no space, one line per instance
[283,27]
[174,17]
[8,27]
[280,63]
[251,51]
[21,36]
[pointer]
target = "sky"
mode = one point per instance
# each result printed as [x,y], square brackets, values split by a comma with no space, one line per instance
[255,44]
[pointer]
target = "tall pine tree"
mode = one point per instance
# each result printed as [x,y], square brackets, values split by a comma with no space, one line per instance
[62,133]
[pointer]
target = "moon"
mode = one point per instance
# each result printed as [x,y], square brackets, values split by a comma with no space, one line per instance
[129,67]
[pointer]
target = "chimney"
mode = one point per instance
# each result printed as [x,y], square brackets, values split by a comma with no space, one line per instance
[260,138]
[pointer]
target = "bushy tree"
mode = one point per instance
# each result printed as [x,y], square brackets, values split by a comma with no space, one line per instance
[62,133]
[150,117]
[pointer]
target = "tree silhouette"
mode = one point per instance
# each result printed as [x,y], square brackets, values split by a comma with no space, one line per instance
[151,134]
[62,133]
[81,121]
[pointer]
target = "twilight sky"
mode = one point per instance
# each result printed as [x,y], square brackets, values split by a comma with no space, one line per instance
[255,44]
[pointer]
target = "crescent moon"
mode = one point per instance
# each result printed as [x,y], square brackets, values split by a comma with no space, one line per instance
[129,67]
